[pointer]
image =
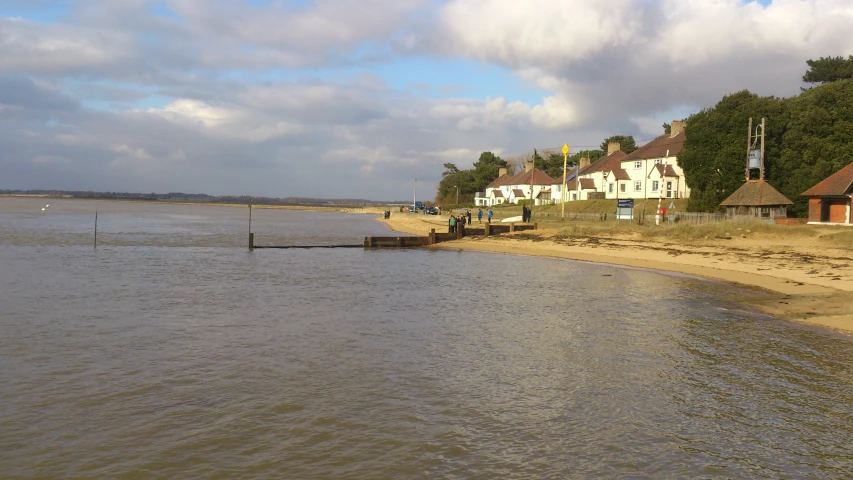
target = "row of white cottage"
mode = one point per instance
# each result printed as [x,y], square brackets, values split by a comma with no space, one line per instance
[641,174]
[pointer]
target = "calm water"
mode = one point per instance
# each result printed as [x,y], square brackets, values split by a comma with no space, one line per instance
[173,352]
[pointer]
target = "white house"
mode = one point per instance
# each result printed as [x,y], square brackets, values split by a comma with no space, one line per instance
[653,168]
[592,178]
[531,183]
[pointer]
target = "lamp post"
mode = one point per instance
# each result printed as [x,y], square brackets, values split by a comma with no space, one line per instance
[457,195]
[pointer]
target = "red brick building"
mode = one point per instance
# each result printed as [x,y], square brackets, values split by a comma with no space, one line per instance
[829,200]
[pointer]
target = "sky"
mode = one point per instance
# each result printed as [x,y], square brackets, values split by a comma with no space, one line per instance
[346,99]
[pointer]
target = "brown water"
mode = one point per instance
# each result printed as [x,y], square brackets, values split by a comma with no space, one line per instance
[173,352]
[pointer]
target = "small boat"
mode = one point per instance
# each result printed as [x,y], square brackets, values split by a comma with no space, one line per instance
[511,219]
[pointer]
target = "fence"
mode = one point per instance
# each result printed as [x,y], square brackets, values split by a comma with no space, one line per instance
[685,217]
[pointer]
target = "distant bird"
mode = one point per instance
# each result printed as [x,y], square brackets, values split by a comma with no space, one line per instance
[47,205]
[42,209]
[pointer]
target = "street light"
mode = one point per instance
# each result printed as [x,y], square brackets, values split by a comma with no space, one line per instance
[457,195]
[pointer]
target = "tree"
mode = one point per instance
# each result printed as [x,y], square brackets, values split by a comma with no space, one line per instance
[667,128]
[486,170]
[449,169]
[626,143]
[714,154]
[829,69]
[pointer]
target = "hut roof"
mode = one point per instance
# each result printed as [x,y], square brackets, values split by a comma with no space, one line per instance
[756,194]
[839,183]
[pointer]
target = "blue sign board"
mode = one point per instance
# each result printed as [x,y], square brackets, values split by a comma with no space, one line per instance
[625,203]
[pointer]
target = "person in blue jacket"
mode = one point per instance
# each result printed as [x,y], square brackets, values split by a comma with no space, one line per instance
[490,216]
[480,216]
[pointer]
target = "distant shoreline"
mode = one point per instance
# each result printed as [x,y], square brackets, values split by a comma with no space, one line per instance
[323,208]
[814,290]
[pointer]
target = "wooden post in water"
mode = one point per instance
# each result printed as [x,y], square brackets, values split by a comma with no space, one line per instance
[251,235]
[96,228]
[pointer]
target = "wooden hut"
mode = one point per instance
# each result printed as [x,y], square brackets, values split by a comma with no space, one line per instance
[756,199]
[830,200]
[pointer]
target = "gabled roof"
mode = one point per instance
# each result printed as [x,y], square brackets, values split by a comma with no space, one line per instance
[570,174]
[497,193]
[524,178]
[607,162]
[587,184]
[756,193]
[839,183]
[668,171]
[657,148]
[619,174]
[518,193]
[498,182]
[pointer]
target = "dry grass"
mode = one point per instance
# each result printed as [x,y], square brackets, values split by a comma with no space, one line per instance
[834,237]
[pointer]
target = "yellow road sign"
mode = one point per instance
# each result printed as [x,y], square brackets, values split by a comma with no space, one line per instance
[565,148]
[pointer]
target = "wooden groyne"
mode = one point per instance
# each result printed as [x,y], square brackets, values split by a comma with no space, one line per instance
[433,238]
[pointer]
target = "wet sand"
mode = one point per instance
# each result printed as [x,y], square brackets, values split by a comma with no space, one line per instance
[791,279]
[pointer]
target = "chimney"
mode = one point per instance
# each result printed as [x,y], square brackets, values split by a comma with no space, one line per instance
[501,172]
[613,147]
[585,161]
[676,127]
[528,166]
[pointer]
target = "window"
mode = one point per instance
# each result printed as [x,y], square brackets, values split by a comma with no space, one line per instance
[574,196]
[622,188]
[655,186]
[638,164]
[658,161]
[611,188]
[638,186]
[765,212]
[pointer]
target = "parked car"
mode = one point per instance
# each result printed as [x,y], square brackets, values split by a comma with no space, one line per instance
[431,211]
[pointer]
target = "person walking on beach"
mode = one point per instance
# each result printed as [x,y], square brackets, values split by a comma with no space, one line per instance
[480,215]
[469,216]
[490,216]
[451,224]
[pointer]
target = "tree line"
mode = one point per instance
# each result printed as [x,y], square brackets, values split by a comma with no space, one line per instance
[808,137]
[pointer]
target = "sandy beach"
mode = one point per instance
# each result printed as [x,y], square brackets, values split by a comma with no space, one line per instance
[795,279]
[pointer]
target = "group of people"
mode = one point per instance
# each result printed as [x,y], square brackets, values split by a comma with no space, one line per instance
[459,221]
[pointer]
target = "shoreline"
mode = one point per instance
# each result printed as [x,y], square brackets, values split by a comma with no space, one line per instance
[786,280]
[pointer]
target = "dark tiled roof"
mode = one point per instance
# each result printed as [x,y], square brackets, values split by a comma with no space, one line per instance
[839,183]
[620,174]
[605,163]
[756,194]
[587,184]
[518,193]
[657,148]
[498,193]
[669,172]
[498,182]
[523,178]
